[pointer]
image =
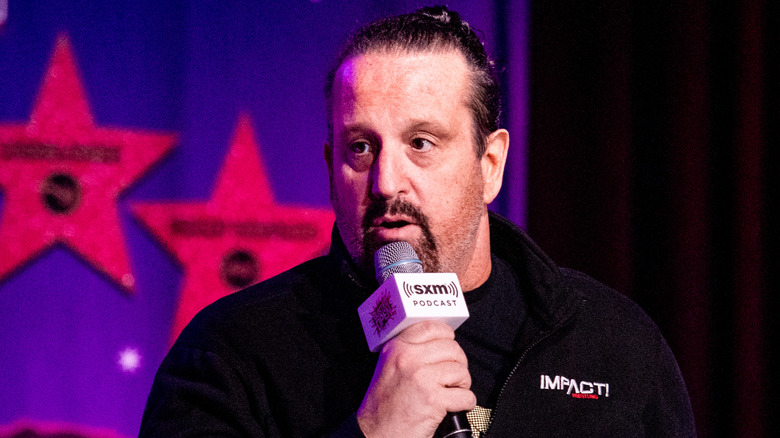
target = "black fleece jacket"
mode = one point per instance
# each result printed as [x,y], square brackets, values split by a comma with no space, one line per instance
[287,358]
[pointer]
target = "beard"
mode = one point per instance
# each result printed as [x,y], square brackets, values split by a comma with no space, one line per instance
[450,250]
[362,243]
[425,246]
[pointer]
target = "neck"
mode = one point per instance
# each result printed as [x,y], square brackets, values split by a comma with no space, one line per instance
[479,266]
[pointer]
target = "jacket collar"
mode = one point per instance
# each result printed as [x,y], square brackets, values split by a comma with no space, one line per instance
[357,284]
[549,298]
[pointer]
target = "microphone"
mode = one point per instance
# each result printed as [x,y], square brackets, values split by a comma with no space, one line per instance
[406,295]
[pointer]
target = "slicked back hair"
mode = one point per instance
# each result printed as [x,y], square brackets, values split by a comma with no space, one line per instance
[430,29]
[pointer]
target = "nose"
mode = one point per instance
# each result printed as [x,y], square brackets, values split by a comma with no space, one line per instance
[388,174]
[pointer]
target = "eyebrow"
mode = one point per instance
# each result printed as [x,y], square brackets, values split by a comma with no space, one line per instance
[354,128]
[436,128]
[360,129]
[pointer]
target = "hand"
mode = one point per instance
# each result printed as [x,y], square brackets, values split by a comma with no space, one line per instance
[421,375]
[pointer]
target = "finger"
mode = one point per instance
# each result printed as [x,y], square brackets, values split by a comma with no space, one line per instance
[453,375]
[432,378]
[442,350]
[412,356]
[458,399]
[426,331]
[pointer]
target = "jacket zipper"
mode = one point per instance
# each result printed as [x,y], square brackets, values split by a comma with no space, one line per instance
[517,366]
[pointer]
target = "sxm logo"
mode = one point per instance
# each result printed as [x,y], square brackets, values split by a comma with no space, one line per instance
[581,389]
[430,289]
[429,295]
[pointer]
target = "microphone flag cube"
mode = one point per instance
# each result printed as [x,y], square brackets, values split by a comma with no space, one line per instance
[408,298]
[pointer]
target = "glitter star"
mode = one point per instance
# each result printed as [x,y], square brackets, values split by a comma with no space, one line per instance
[62,175]
[240,236]
[129,360]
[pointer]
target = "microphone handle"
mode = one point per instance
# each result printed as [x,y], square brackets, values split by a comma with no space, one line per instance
[454,425]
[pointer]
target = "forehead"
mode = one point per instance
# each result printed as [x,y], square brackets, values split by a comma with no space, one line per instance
[406,79]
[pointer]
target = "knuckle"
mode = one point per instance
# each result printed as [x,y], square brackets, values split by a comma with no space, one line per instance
[466,379]
[404,364]
[420,376]
[436,329]
[427,328]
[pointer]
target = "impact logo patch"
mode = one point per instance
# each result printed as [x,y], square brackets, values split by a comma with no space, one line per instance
[582,389]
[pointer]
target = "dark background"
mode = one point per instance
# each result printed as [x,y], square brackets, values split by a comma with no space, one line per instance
[653,166]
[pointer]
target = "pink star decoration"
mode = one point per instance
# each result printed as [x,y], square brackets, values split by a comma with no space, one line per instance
[62,175]
[240,236]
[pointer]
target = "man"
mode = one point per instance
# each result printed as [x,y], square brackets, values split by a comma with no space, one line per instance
[415,154]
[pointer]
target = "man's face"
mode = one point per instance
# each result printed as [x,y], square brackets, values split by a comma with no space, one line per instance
[402,164]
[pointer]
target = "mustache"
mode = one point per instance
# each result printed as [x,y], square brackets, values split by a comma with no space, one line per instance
[382,207]
[425,247]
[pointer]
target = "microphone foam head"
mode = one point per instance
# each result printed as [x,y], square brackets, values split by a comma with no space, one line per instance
[396,257]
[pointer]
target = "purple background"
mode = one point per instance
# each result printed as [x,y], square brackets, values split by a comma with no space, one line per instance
[188,68]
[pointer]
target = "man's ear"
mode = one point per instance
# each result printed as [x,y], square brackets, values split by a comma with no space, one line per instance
[493,162]
[328,153]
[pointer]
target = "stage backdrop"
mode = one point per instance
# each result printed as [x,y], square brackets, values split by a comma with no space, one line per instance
[154,156]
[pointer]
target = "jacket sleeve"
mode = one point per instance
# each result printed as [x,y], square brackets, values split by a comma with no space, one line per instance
[667,411]
[198,393]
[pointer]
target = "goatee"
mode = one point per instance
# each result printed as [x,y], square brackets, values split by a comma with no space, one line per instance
[425,246]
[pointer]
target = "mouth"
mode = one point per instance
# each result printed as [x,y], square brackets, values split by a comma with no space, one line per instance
[391,223]
[389,229]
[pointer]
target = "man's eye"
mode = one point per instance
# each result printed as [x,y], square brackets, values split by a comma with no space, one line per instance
[421,144]
[360,147]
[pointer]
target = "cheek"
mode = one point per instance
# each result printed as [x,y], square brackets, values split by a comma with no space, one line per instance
[449,189]
[349,181]
[456,195]
[350,191]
